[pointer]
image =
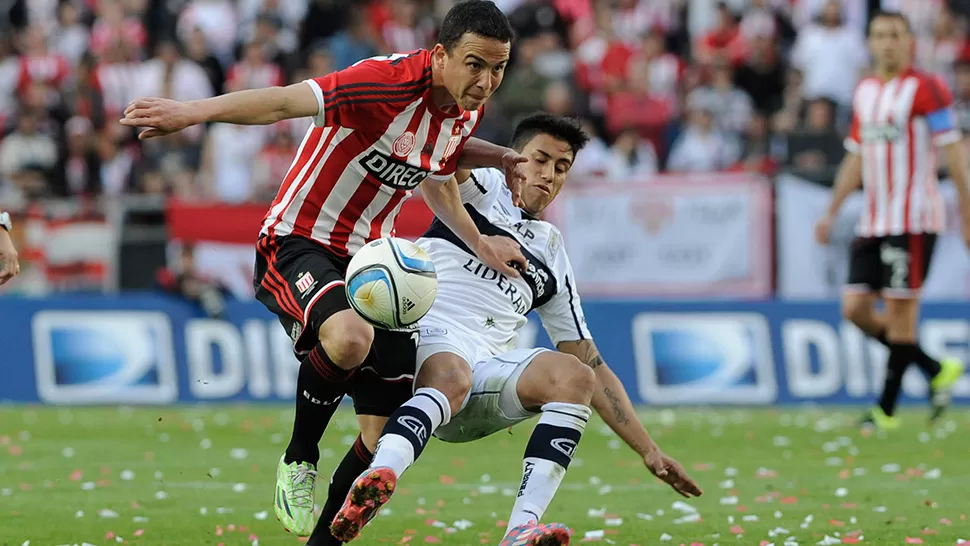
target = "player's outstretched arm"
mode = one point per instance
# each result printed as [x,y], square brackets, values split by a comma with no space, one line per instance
[444,200]
[481,153]
[613,405]
[249,107]
[956,161]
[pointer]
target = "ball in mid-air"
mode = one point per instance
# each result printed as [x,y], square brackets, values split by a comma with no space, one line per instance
[391,283]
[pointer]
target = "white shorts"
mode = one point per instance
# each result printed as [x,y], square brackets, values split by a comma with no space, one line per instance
[492,403]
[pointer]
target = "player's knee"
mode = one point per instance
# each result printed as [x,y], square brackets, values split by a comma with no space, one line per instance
[451,376]
[346,341]
[577,383]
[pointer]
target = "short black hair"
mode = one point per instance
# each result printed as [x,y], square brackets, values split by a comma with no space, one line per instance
[888,15]
[568,129]
[481,17]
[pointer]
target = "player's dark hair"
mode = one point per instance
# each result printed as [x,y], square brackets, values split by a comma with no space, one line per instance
[481,17]
[888,15]
[567,129]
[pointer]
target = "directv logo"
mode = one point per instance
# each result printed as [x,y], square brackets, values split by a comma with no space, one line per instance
[104,357]
[700,358]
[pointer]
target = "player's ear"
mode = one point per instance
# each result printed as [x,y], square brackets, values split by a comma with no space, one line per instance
[438,55]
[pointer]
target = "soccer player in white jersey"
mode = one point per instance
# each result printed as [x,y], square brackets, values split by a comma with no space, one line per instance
[471,381]
[901,117]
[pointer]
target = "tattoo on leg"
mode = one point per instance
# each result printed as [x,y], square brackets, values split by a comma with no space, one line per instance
[618,412]
[595,362]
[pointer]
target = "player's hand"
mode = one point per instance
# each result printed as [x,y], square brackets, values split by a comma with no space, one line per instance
[9,266]
[823,229]
[672,473]
[500,253]
[513,165]
[160,116]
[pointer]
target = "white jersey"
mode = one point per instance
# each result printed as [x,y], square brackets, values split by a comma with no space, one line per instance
[475,300]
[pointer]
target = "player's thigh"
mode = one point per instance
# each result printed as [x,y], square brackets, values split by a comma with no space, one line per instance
[905,263]
[493,402]
[443,363]
[865,267]
[552,376]
[303,284]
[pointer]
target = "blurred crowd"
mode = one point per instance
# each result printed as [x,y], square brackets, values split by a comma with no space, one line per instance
[665,85]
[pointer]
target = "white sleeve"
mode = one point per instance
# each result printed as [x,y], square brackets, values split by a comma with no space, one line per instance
[480,182]
[562,316]
[319,119]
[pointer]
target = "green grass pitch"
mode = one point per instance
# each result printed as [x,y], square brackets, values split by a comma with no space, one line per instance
[191,476]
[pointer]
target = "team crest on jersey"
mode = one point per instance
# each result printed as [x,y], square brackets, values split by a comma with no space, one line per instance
[453,143]
[552,247]
[305,282]
[403,145]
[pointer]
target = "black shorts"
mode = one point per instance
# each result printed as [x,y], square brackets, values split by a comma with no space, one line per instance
[892,265]
[302,283]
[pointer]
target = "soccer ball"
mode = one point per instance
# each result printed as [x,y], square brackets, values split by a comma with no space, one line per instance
[391,283]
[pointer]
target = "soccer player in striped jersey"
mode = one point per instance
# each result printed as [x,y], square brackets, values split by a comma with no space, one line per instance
[381,128]
[472,381]
[901,117]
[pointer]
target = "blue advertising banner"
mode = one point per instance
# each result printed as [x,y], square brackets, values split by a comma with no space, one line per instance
[154,349]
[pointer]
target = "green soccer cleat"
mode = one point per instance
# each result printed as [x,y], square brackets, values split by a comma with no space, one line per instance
[951,370]
[876,418]
[294,496]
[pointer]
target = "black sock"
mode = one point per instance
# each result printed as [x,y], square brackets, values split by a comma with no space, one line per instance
[927,364]
[354,464]
[319,388]
[900,357]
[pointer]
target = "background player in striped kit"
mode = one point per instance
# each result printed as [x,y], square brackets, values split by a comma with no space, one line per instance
[381,128]
[901,116]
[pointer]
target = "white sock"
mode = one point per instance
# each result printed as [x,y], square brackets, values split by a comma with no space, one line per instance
[409,429]
[547,457]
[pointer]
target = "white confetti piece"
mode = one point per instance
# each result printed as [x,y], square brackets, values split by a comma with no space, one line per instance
[688,518]
[833,461]
[485,478]
[598,512]
[238,453]
[750,517]
[127,475]
[807,521]
[239,488]
[327,453]
[439,524]
[261,515]
[594,480]
[841,492]
[214,472]
[880,509]
[830,447]
[890,468]
[198,425]
[726,484]
[933,474]
[421,501]
[205,443]
[730,472]
[665,537]
[67,452]
[781,441]
[613,522]
[660,512]
[79,514]
[466,500]
[683,507]
[488,490]
[105,513]
[859,471]
[853,520]
[203,510]
[26,543]
[161,495]
[924,437]
[384,512]
[829,541]
[87,486]
[778,514]
[276,438]
[159,475]
[223,510]
[778,531]
[6,492]
[646,517]
[164,437]
[605,490]
[139,519]
[463,524]
[598,533]
[511,492]
[729,501]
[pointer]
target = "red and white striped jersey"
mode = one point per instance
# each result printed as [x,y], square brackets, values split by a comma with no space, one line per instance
[377,136]
[897,126]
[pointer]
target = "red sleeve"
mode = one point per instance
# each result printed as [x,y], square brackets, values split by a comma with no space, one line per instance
[371,90]
[932,95]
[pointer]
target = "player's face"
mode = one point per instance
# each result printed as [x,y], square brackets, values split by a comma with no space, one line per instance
[546,171]
[889,43]
[474,69]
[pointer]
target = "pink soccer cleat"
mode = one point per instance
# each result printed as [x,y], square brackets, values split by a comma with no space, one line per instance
[534,534]
[371,491]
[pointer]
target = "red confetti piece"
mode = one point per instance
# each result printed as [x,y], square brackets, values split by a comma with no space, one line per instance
[109,536]
[844,474]
[914,540]
[432,540]
[139,532]
[764,543]
[929,531]
[836,523]
[850,540]
[76,476]
[253,537]
[691,544]
[16,451]
[703,467]
[231,527]
[848,505]
[501,523]
[742,508]
[219,531]
[789,500]
[4,440]
[945,521]
[737,530]
[763,498]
